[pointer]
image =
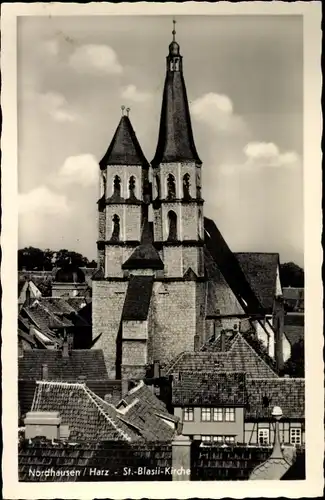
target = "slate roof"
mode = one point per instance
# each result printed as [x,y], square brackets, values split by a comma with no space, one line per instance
[83,362]
[210,389]
[89,418]
[145,256]
[294,319]
[124,148]
[147,413]
[229,266]
[294,333]
[175,139]
[288,393]
[260,270]
[221,300]
[137,299]
[294,297]
[240,356]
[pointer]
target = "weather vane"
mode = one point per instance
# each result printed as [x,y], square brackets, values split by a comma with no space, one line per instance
[174,30]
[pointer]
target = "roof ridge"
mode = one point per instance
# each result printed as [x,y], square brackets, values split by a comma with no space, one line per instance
[136,388]
[101,410]
[178,358]
[60,383]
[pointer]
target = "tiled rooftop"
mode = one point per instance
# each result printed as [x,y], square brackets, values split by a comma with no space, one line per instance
[211,389]
[240,356]
[42,455]
[89,418]
[264,394]
[84,362]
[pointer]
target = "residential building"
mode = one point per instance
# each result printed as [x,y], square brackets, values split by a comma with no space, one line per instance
[230,408]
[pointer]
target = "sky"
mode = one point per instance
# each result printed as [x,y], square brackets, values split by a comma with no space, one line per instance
[244,79]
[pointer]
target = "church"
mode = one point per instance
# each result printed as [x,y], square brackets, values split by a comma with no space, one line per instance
[167,282]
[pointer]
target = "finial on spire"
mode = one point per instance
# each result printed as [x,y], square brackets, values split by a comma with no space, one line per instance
[174,30]
[128,111]
[123,108]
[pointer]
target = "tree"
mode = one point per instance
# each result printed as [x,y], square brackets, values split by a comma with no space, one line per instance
[35,259]
[295,365]
[291,275]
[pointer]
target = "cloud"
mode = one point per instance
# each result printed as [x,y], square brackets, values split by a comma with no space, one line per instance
[268,154]
[216,111]
[44,201]
[81,169]
[95,58]
[57,107]
[133,94]
[51,47]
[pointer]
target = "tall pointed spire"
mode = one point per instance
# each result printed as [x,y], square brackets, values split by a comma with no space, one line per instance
[175,141]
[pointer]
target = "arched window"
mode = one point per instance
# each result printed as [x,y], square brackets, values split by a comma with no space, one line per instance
[103,185]
[116,228]
[132,187]
[157,185]
[171,187]
[176,64]
[186,187]
[172,226]
[117,185]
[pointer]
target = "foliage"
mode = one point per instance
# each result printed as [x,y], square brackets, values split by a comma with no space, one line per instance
[295,365]
[35,259]
[291,275]
[260,348]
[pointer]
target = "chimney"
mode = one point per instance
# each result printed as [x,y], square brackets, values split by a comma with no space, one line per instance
[45,372]
[124,386]
[67,344]
[156,369]
[223,340]
[196,343]
[42,423]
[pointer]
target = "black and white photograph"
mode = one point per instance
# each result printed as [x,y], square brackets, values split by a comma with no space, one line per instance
[162,262]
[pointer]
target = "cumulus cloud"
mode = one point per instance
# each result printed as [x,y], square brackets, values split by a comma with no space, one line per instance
[133,94]
[95,58]
[44,201]
[57,107]
[216,111]
[81,169]
[268,154]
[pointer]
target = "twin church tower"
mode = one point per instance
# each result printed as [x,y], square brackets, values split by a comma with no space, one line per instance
[149,291]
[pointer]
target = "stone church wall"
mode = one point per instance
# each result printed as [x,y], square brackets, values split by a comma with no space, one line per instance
[107,305]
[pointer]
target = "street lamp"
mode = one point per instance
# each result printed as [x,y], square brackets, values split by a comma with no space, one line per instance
[277,415]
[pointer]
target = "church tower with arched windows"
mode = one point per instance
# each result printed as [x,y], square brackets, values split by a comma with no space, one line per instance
[177,201]
[123,177]
[149,292]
